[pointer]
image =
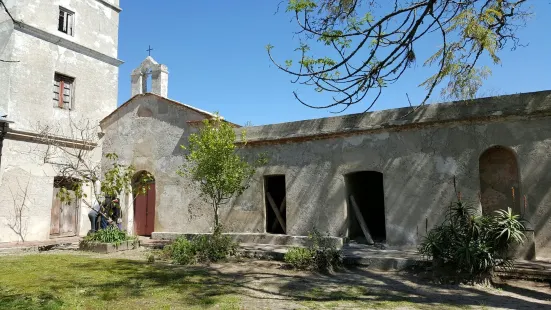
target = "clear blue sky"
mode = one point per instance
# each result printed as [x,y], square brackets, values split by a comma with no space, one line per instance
[215,53]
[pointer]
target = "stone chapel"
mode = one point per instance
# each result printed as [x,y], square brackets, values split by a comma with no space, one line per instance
[399,167]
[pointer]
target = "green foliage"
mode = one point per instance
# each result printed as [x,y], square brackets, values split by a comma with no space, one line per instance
[181,251]
[299,258]
[212,162]
[109,235]
[301,5]
[370,44]
[471,244]
[117,178]
[320,254]
[71,191]
[201,249]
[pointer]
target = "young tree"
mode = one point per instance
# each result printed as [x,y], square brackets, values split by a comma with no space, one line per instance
[372,43]
[19,216]
[72,150]
[212,162]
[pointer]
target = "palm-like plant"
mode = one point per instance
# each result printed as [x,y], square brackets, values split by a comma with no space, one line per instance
[473,244]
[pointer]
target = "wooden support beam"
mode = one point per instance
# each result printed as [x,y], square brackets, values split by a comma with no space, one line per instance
[281,209]
[360,219]
[276,211]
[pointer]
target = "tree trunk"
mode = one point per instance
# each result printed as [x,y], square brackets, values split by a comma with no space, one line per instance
[216,220]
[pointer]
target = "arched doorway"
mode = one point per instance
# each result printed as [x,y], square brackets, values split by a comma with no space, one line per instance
[143,188]
[499,180]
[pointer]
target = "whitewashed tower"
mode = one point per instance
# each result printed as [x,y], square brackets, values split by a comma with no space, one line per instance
[60,62]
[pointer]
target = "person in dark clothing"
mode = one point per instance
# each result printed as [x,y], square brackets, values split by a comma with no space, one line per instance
[93,216]
[105,209]
[116,212]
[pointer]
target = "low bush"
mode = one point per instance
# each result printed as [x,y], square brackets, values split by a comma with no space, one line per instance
[181,251]
[471,245]
[299,258]
[108,235]
[201,249]
[319,255]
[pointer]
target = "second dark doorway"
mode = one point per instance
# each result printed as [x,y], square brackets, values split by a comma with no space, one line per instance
[274,196]
[367,189]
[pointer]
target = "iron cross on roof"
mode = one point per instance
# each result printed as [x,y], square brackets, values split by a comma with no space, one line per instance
[149,50]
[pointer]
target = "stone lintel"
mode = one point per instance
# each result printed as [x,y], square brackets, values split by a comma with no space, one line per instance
[34,137]
[55,39]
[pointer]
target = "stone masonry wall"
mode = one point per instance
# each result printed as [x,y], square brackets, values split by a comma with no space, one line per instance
[419,155]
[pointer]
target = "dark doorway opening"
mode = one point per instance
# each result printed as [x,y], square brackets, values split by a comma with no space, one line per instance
[367,189]
[275,192]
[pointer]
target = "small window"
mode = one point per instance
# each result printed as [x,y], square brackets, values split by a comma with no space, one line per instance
[63,91]
[66,21]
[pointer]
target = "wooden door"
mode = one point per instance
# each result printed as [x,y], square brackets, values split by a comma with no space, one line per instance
[63,221]
[144,212]
[56,210]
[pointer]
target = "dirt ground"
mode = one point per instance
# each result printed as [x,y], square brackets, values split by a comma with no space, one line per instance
[268,285]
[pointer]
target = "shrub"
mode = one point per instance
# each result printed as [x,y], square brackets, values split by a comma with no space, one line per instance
[299,258]
[150,257]
[201,249]
[471,245]
[320,255]
[108,235]
[182,251]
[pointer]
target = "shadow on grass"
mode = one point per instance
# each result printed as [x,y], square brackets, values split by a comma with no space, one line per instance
[107,281]
[194,286]
[205,284]
[10,300]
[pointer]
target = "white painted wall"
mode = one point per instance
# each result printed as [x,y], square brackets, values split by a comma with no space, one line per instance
[26,94]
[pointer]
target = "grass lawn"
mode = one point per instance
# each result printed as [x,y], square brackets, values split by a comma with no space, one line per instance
[86,281]
[80,282]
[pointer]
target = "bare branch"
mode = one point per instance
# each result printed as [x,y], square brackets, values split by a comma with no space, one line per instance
[367,53]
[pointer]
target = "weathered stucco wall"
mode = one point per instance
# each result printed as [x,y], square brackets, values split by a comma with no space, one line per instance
[31,97]
[96,24]
[419,155]
[25,184]
[147,132]
[26,92]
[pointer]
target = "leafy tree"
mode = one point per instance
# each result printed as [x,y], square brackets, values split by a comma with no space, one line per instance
[372,43]
[213,162]
[71,151]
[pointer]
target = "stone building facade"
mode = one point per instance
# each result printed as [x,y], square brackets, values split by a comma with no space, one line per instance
[64,67]
[399,166]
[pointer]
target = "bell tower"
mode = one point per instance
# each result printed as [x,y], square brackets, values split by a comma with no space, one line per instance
[159,78]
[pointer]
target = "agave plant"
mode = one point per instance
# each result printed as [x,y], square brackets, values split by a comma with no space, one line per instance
[470,243]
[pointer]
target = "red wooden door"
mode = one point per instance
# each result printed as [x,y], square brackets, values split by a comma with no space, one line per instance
[144,212]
